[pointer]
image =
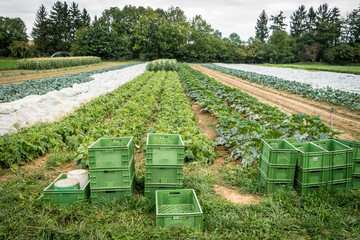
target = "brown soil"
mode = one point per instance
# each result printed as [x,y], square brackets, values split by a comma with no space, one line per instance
[31,75]
[343,120]
[235,197]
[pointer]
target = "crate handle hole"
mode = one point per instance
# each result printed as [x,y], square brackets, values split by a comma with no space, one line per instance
[109,171]
[110,191]
[174,192]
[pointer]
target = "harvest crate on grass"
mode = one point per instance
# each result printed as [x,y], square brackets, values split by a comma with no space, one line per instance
[312,176]
[355,181]
[110,194]
[111,152]
[112,177]
[272,186]
[338,153]
[341,173]
[66,196]
[311,156]
[308,188]
[278,152]
[164,149]
[178,207]
[340,186]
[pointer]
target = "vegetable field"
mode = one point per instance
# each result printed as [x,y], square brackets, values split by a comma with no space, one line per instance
[160,101]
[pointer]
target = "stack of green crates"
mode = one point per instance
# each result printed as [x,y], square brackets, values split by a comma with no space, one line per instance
[164,163]
[111,169]
[312,167]
[355,145]
[277,165]
[340,164]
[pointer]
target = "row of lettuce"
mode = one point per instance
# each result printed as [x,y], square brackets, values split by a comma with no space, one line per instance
[328,94]
[12,92]
[153,100]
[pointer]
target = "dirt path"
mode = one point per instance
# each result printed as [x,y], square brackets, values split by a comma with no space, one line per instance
[23,75]
[343,120]
[206,122]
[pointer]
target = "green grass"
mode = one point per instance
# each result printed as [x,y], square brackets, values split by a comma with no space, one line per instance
[354,69]
[8,64]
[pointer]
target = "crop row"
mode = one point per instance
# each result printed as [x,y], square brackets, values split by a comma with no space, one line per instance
[12,92]
[162,64]
[243,120]
[328,94]
[175,115]
[58,62]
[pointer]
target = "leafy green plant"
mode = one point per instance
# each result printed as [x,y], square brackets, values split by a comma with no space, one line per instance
[58,62]
[162,64]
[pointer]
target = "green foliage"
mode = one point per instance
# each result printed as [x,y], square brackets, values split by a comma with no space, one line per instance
[58,62]
[8,64]
[330,95]
[162,65]
[280,47]
[12,92]
[11,30]
[252,120]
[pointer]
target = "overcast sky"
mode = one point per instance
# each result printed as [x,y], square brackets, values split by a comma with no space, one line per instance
[227,15]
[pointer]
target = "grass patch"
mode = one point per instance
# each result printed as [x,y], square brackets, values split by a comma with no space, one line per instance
[354,69]
[8,64]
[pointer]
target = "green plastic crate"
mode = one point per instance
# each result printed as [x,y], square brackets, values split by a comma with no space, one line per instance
[308,188]
[272,186]
[339,154]
[177,208]
[311,156]
[150,189]
[340,173]
[111,153]
[166,174]
[278,152]
[340,186]
[112,177]
[355,145]
[356,167]
[66,196]
[355,181]
[112,194]
[164,149]
[276,172]
[312,176]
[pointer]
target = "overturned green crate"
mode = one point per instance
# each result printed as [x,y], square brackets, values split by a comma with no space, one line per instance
[309,188]
[278,152]
[111,153]
[112,177]
[177,208]
[311,156]
[355,145]
[272,186]
[275,171]
[112,194]
[150,189]
[338,153]
[164,149]
[66,196]
[165,174]
[312,176]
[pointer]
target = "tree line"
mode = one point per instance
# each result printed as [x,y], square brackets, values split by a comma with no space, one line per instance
[320,34]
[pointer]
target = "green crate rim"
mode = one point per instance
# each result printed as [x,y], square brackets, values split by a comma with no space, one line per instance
[167,145]
[340,181]
[306,153]
[111,169]
[275,180]
[314,169]
[128,144]
[278,140]
[336,151]
[177,214]
[114,189]
[320,184]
